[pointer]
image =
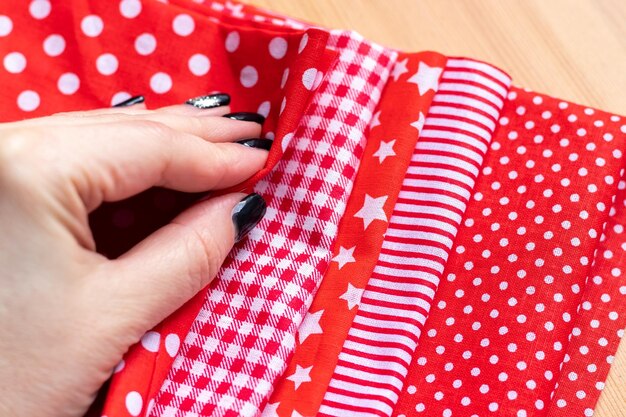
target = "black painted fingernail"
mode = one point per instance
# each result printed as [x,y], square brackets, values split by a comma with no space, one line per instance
[247,214]
[210,101]
[131,101]
[257,143]
[246,117]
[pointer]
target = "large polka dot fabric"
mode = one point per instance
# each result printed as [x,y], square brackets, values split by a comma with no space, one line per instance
[526,311]
[132,48]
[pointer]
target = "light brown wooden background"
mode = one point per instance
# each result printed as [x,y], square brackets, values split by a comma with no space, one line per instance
[572,49]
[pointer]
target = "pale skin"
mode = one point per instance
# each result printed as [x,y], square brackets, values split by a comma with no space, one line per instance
[68,314]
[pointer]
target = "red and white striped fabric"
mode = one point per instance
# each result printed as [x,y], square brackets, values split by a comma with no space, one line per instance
[241,339]
[449,154]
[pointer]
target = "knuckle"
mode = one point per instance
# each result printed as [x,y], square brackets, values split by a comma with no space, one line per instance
[205,255]
[14,143]
[223,164]
[21,153]
[164,143]
[156,129]
[198,125]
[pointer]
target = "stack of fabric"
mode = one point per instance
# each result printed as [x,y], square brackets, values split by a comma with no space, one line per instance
[437,242]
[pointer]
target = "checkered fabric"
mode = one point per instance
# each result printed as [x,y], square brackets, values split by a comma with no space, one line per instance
[241,339]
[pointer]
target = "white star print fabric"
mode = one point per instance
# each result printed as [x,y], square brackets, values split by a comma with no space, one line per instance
[345,256]
[390,148]
[372,210]
[385,150]
[426,78]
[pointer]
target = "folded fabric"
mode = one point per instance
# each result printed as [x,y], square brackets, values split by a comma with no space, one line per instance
[435,191]
[241,339]
[468,248]
[391,140]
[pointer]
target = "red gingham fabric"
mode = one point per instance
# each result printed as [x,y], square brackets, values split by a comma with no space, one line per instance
[153,357]
[240,341]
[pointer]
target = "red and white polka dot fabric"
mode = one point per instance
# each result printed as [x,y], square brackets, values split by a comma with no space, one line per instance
[530,305]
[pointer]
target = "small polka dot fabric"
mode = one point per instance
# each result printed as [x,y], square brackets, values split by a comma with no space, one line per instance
[437,242]
[533,290]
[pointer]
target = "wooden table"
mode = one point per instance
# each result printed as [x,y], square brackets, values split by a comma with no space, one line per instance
[572,49]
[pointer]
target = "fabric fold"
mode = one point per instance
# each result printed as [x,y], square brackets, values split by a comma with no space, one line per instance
[475,270]
[598,325]
[145,367]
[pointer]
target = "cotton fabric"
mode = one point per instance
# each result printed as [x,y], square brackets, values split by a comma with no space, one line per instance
[515,297]
[512,312]
[243,335]
[436,188]
[391,140]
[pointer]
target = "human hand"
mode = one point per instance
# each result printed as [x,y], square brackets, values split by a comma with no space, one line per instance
[68,314]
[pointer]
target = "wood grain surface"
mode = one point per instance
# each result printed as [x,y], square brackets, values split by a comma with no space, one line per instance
[572,49]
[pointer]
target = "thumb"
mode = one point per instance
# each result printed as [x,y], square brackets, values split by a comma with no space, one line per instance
[170,266]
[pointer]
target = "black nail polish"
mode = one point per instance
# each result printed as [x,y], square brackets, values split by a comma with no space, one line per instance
[257,143]
[210,101]
[131,101]
[246,117]
[247,214]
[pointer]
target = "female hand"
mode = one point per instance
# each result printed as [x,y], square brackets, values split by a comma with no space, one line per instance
[68,314]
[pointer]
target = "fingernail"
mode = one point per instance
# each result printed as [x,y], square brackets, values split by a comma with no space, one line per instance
[131,101]
[246,117]
[210,101]
[257,143]
[247,214]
